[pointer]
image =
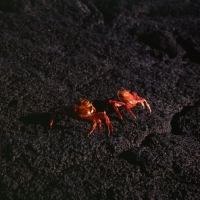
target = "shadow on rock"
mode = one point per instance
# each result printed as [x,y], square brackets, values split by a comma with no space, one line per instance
[42,119]
[36,119]
[102,105]
[186,121]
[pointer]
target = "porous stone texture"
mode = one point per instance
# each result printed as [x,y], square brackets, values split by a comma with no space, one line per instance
[55,51]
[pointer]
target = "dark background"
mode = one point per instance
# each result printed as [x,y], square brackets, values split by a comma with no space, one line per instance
[54,51]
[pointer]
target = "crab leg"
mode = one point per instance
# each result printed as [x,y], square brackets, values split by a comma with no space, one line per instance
[99,125]
[117,104]
[56,112]
[130,111]
[96,118]
[147,105]
[92,128]
[108,123]
[142,101]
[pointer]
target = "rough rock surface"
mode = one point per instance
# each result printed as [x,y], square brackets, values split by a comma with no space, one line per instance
[54,51]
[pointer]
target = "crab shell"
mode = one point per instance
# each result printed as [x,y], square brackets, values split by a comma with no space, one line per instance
[82,107]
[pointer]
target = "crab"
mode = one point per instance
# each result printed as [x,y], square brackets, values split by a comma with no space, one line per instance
[128,100]
[85,111]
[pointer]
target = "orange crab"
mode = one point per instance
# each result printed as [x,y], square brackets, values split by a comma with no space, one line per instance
[84,110]
[127,100]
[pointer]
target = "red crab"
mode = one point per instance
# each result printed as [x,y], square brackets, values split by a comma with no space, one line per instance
[127,100]
[83,110]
